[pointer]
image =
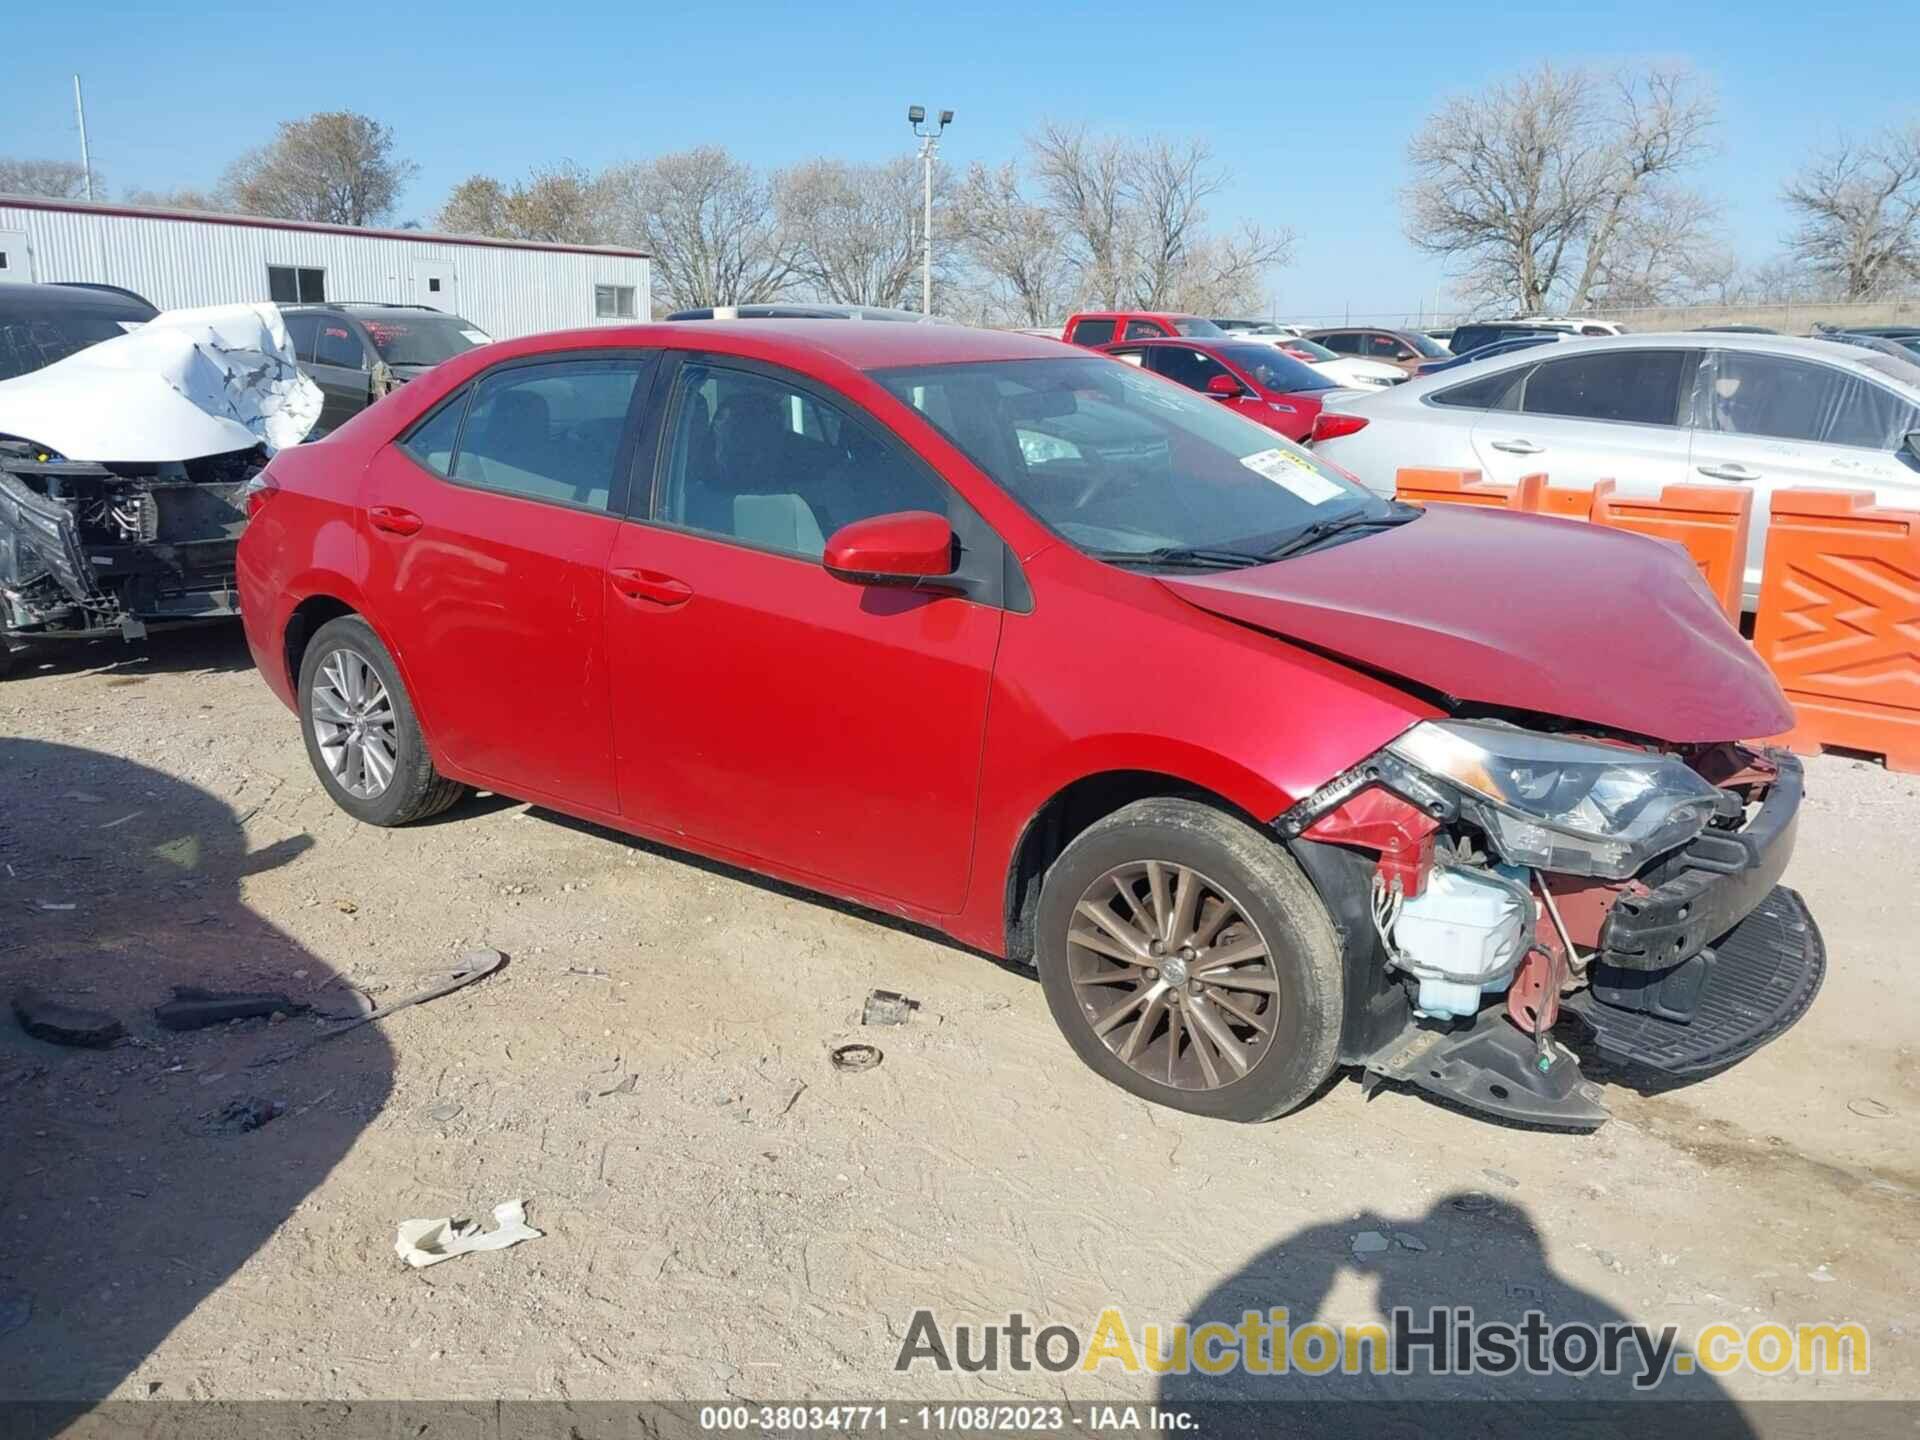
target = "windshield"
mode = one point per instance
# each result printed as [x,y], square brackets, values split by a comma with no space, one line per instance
[1427,345]
[33,342]
[1272,368]
[1194,325]
[1311,351]
[1120,462]
[425,340]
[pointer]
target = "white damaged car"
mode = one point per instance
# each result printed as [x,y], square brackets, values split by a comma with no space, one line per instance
[124,468]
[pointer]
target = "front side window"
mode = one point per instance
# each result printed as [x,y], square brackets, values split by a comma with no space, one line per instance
[1196,327]
[759,461]
[1122,465]
[547,432]
[1756,394]
[1274,369]
[1188,367]
[337,345]
[1635,387]
[1385,347]
[614,302]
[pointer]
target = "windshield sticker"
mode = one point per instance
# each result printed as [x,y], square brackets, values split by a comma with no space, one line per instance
[1294,473]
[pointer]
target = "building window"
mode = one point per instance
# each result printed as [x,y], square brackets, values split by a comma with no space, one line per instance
[614,302]
[292,285]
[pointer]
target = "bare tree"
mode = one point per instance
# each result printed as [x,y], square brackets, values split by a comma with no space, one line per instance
[557,203]
[1859,209]
[1012,249]
[184,198]
[1528,186]
[1133,220]
[1665,249]
[854,229]
[336,167]
[56,179]
[708,221]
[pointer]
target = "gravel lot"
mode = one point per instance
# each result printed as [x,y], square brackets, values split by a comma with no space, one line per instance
[724,1213]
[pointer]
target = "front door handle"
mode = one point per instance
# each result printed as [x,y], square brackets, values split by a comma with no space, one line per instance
[1518,447]
[394,520]
[650,585]
[1729,472]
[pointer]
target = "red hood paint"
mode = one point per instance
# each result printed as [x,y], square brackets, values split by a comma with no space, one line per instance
[1525,611]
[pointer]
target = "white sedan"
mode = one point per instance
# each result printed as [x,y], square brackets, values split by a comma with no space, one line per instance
[1341,369]
[1763,412]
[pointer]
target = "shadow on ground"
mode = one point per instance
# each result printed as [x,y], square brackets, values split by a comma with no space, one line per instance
[1469,1251]
[133,1185]
[219,646]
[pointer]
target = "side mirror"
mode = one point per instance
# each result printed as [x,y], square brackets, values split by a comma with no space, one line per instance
[899,549]
[1911,445]
[1225,387]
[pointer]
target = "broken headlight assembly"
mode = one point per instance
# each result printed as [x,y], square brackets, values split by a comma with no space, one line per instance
[1551,803]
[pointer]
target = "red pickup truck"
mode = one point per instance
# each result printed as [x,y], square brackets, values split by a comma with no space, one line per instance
[1102,327]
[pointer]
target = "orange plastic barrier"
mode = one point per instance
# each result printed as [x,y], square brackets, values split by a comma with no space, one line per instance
[1464,487]
[1839,613]
[1710,522]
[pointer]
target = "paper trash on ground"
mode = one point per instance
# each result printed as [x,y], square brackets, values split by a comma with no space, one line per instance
[428,1242]
[188,383]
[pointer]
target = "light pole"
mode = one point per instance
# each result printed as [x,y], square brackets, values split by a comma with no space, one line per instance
[929,144]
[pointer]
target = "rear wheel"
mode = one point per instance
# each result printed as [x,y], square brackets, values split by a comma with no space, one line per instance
[361,732]
[1189,960]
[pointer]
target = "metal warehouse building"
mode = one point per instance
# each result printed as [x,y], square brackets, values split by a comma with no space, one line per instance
[180,258]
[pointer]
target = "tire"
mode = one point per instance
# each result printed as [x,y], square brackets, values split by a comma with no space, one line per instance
[1270,906]
[413,790]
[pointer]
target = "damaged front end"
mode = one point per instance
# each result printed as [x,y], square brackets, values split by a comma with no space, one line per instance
[1491,880]
[97,550]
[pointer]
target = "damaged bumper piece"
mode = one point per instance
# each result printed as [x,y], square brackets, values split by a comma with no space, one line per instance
[124,468]
[1490,916]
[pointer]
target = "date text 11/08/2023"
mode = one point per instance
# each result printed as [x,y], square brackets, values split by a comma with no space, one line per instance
[935,1420]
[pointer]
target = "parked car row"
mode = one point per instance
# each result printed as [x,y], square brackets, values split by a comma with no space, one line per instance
[1760,412]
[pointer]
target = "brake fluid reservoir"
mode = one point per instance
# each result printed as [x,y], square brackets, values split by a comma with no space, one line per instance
[1463,936]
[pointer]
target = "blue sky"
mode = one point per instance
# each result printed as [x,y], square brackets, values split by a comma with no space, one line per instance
[1309,106]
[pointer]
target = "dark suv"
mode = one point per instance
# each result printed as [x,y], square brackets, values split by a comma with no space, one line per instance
[357,352]
[1468,338]
[40,324]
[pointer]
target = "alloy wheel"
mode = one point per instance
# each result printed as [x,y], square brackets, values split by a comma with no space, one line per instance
[1172,976]
[353,723]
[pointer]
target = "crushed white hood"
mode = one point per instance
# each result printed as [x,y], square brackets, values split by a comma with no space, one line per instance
[187,383]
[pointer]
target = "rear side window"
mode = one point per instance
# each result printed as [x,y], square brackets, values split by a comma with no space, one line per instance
[1341,344]
[1143,330]
[1797,400]
[545,432]
[1093,332]
[1634,387]
[1499,391]
[303,331]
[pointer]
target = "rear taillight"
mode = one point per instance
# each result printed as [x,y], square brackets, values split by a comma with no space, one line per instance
[1330,425]
[260,489]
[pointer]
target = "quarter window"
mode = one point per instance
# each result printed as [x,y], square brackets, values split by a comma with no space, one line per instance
[1636,387]
[547,432]
[1499,391]
[431,442]
[768,464]
[614,302]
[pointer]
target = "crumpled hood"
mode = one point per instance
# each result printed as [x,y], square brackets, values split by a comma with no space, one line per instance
[185,384]
[1524,611]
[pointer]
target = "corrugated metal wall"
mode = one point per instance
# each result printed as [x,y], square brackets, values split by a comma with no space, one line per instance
[176,263]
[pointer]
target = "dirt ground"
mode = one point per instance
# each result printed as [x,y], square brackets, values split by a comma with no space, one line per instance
[724,1214]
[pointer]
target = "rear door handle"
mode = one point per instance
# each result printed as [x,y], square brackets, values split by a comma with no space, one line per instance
[393,520]
[1729,472]
[650,585]
[1517,447]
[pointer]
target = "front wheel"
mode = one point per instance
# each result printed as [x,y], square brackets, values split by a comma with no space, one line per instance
[361,732]
[1189,961]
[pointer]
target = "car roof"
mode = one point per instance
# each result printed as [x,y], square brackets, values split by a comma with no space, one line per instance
[860,344]
[1830,352]
[111,301]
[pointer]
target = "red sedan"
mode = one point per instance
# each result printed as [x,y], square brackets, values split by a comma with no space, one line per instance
[1261,382]
[1263,774]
